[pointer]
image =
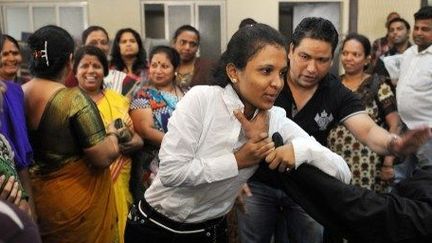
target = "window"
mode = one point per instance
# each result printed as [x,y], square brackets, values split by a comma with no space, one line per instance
[19,19]
[162,18]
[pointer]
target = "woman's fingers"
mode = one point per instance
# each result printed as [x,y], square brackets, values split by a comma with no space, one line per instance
[8,187]
[14,192]
[18,197]
[265,146]
[252,128]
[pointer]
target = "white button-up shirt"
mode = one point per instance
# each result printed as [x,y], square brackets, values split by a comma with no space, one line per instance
[414,88]
[198,176]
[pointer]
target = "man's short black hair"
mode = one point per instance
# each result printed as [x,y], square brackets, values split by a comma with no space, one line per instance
[424,13]
[316,28]
[407,25]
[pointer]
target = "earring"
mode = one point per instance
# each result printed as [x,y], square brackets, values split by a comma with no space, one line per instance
[234,80]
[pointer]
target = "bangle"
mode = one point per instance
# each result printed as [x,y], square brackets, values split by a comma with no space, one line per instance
[112,133]
[113,142]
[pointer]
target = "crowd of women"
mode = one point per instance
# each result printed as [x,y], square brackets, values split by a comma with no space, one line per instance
[89,132]
[84,139]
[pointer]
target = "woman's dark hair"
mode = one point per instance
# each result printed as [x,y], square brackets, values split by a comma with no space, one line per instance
[363,40]
[91,29]
[316,28]
[11,39]
[170,52]
[116,58]
[91,51]
[243,46]
[247,22]
[50,47]
[184,28]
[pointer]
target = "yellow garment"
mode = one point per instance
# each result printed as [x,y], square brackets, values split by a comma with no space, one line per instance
[123,198]
[74,201]
[111,107]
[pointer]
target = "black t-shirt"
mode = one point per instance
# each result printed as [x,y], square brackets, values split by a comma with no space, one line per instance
[331,103]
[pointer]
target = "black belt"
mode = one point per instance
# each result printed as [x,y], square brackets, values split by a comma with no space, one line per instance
[176,227]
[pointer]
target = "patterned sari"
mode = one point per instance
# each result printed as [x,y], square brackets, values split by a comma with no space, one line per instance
[7,164]
[379,100]
[13,125]
[74,201]
[162,105]
[111,107]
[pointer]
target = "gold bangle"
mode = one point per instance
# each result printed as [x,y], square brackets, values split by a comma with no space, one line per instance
[113,142]
[112,133]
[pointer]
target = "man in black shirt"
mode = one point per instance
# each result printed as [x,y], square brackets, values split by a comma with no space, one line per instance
[361,215]
[316,101]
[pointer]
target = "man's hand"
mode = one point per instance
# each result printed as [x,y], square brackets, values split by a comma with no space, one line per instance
[282,157]
[387,170]
[410,141]
[242,195]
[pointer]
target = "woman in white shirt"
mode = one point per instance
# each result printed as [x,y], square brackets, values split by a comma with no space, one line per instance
[216,138]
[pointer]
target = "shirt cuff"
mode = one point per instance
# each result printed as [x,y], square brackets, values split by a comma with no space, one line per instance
[301,154]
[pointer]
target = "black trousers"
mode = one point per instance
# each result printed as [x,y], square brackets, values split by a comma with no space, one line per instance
[361,215]
[140,228]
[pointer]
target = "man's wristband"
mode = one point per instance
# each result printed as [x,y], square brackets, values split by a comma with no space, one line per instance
[391,145]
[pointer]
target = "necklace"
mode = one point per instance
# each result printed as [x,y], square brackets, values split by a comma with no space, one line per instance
[184,78]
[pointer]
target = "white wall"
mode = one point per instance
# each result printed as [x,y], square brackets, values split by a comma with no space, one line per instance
[264,11]
[267,11]
[116,14]
[372,15]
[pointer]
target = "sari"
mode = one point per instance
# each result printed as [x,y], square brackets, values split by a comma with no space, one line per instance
[13,125]
[126,84]
[112,106]
[74,201]
[162,105]
[7,164]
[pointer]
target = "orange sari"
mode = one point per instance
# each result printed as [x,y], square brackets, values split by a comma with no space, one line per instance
[74,201]
[75,204]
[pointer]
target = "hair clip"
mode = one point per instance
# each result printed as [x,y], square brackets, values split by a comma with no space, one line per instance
[42,53]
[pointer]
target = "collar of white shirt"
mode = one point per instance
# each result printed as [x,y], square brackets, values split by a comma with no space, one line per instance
[427,50]
[232,100]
